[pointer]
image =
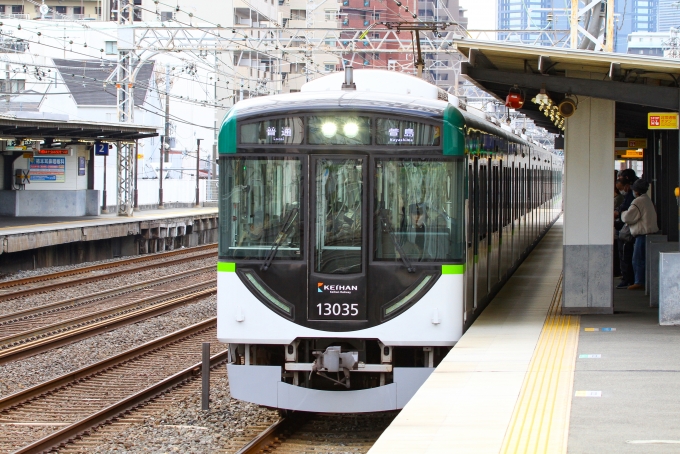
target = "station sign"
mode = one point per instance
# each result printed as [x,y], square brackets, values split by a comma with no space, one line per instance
[634,144]
[101,149]
[663,120]
[53,152]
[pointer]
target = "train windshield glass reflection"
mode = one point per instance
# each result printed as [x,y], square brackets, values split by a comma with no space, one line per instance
[261,195]
[420,207]
[339,192]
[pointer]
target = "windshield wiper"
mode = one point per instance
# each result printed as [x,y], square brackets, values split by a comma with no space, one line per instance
[386,229]
[283,234]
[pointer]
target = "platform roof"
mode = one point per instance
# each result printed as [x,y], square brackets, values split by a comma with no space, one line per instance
[638,84]
[11,128]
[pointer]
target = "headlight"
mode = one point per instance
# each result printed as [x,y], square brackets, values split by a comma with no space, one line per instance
[329,129]
[351,130]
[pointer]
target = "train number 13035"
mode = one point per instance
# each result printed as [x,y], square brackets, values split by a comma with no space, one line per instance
[338,309]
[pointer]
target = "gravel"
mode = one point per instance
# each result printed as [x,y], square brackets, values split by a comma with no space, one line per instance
[183,427]
[31,301]
[21,374]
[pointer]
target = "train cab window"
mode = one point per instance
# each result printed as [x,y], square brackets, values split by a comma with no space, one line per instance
[338,208]
[419,210]
[261,208]
[339,130]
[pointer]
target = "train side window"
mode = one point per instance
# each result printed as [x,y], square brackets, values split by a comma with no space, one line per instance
[483,202]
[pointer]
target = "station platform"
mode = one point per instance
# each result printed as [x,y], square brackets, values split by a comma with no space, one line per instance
[526,379]
[146,231]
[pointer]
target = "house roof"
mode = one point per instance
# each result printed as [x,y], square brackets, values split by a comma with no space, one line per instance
[90,91]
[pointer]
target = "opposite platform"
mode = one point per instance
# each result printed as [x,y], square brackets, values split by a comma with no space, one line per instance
[506,385]
[195,225]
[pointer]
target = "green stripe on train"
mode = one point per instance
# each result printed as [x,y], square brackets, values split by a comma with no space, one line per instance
[226,267]
[226,140]
[453,269]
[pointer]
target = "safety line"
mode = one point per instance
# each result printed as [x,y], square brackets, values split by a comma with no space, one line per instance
[540,420]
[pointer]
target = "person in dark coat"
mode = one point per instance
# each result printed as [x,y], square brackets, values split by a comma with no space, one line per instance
[626,179]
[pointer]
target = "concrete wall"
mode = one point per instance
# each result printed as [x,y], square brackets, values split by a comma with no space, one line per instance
[49,203]
[588,210]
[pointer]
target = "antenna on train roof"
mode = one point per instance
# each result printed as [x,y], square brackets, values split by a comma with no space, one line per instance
[349,79]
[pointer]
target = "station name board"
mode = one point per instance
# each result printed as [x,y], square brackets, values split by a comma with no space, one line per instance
[53,152]
[663,120]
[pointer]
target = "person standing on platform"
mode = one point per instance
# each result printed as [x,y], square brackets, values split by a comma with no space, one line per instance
[618,200]
[626,178]
[641,218]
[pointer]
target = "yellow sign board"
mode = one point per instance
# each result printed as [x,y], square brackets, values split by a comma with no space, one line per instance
[632,154]
[28,155]
[637,143]
[663,120]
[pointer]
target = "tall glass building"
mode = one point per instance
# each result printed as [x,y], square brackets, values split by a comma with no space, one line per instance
[635,16]
[540,18]
[669,15]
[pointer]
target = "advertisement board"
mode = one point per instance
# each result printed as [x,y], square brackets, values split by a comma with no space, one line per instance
[48,170]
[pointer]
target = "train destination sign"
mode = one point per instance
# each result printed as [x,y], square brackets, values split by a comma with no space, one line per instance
[53,152]
[663,120]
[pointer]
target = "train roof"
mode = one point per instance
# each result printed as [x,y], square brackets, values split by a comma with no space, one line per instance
[377,91]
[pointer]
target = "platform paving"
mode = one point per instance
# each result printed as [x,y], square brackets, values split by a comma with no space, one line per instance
[638,375]
[468,403]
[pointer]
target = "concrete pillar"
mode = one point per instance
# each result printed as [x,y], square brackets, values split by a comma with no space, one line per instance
[669,288]
[588,209]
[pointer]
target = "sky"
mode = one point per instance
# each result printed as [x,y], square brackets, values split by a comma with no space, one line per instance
[481,14]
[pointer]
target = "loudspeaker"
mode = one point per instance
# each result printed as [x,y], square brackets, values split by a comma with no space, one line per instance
[567,108]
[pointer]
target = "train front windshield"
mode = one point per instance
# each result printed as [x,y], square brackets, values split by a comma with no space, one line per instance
[419,210]
[262,202]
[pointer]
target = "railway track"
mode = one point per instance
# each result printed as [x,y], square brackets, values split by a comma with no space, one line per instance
[65,408]
[302,433]
[44,338]
[36,317]
[40,284]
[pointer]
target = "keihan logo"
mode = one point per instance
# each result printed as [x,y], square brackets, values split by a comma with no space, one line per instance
[348,289]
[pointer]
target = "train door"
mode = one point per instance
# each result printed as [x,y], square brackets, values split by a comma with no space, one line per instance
[494,237]
[471,243]
[482,230]
[337,280]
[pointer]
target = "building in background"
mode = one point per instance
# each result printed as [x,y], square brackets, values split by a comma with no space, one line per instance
[634,16]
[669,15]
[538,19]
[645,43]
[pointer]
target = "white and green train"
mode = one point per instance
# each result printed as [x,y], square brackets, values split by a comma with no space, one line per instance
[364,223]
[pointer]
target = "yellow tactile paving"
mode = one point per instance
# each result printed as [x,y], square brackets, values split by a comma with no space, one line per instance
[540,421]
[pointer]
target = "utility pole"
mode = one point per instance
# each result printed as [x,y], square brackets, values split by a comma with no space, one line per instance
[198,157]
[136,192]
[165,142]
[104,209]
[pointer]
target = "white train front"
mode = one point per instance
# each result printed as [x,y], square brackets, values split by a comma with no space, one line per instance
[361,232]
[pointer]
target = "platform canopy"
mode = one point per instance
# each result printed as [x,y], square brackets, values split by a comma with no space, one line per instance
[12,128]
[638,84]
